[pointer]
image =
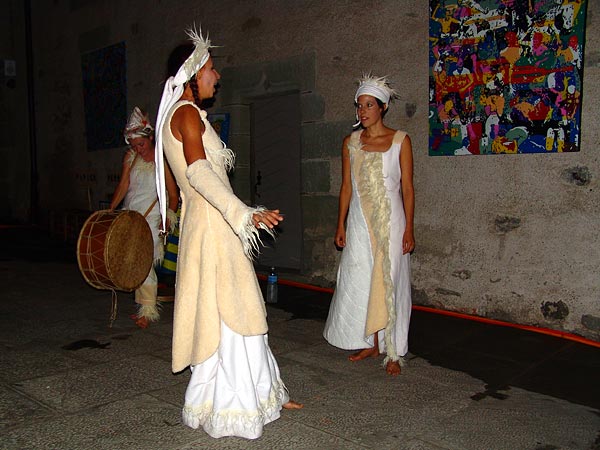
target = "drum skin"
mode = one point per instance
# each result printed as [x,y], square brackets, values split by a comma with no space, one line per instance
[115,250]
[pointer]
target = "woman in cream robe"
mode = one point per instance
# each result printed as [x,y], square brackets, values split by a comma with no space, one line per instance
[220,326]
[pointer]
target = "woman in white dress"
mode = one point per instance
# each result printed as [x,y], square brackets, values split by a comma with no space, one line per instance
[137,191]
[219,326]
[371,306]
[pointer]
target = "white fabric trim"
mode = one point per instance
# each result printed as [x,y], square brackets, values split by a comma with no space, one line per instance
[237,390]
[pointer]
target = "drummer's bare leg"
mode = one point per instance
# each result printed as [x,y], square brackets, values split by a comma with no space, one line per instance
[145,297]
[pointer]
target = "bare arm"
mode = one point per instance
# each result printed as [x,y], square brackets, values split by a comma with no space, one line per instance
[345,196]
[408,194]
[123,185]
[187,126]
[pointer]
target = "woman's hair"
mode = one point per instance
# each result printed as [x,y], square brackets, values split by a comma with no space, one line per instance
[178,57]
[194,86]
[382,105]
[176,60]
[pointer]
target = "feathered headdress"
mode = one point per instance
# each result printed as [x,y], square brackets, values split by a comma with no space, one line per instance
[138,125]
[196,60]
[378,87]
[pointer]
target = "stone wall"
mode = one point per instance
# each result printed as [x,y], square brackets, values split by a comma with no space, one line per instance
[506,237]
[15,149]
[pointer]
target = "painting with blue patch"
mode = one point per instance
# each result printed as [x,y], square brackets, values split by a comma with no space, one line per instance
[105,96]
[505,76]
[220,122]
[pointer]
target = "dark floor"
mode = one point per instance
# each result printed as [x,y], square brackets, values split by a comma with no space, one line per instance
[499,356]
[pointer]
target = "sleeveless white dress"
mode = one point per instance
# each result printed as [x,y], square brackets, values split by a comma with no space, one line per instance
[375,227]
[140,195]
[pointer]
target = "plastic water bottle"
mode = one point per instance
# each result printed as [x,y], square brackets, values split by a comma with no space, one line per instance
[272,286]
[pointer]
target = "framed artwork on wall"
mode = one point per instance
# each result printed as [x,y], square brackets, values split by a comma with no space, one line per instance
[505,76]
[220,122]
[105,96]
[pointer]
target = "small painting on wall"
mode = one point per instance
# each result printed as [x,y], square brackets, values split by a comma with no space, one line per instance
[505,76]
[220,122]
[104,96]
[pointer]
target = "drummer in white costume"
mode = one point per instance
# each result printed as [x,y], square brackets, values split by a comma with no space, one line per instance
[137,190]
[371,306]
[219,325]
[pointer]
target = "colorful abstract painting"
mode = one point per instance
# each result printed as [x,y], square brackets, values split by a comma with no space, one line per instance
[505,76]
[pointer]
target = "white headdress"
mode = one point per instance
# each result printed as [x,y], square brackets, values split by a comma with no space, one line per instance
[138,125]
[378,87]
[174,87]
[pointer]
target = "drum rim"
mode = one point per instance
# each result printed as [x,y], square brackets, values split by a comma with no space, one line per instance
[87,224]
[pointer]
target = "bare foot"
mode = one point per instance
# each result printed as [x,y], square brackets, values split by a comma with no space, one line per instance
[393,368]
[292,405]
[141,322]
[365,353]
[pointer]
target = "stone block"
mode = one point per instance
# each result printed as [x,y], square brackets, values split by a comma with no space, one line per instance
[298,69]
[591,322]
[241,83]
[319,214]
[312,107]
[315,176]
[324,139]
[239,118]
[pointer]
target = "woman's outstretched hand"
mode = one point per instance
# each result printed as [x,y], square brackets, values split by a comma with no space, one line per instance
[268,218]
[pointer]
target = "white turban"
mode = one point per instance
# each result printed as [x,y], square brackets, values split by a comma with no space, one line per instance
[377,87]
[138,125]
[174,87]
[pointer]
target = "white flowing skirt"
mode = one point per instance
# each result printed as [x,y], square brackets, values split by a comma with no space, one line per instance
[237,390]
[345,325]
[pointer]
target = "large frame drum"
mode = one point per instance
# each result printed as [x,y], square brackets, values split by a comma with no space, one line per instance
[115,250]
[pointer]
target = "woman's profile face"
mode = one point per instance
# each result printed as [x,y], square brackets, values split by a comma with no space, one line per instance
[207,79]
[368,110]
[143,146]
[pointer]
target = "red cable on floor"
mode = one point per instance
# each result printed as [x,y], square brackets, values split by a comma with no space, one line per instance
[541,330]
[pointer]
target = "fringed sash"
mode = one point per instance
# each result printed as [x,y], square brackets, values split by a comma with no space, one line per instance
[367,169]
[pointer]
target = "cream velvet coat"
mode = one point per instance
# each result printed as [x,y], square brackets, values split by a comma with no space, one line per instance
[215,279]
